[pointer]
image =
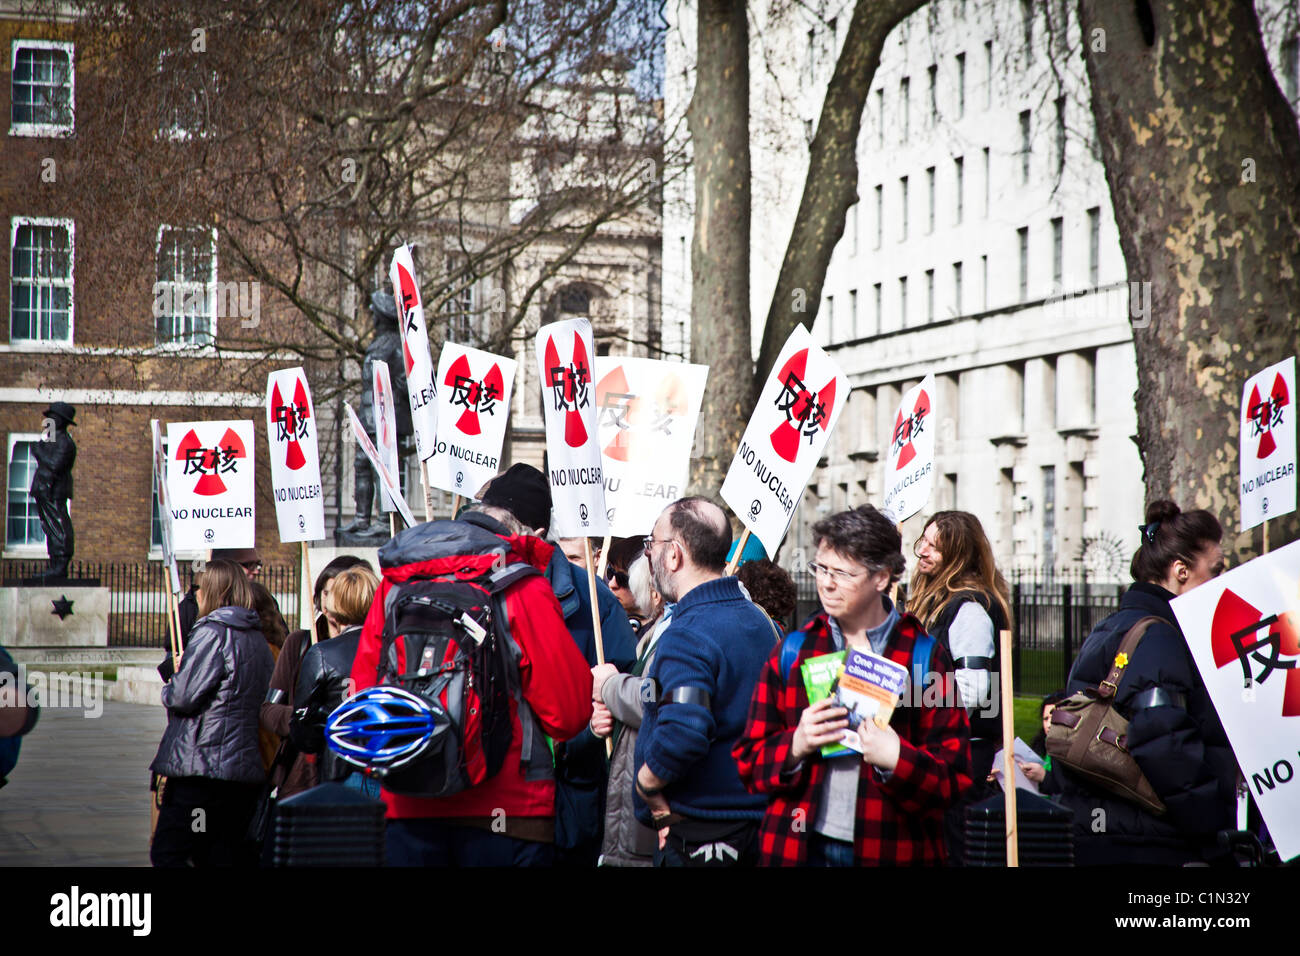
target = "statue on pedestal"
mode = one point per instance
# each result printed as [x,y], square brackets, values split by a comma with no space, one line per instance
[387,348]
[55,455]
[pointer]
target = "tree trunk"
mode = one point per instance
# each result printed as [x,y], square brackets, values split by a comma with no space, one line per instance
[718,120]
[1201,151]
[831,186]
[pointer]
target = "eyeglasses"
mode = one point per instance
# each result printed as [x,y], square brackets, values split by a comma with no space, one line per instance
[649,542]
[835,574]
[616,577]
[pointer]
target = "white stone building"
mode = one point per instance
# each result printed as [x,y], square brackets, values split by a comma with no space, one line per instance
[982,248]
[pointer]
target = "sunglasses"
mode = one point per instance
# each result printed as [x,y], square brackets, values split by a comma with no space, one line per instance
[616,577]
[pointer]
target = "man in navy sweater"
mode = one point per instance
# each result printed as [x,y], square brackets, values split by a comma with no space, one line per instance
[702,680]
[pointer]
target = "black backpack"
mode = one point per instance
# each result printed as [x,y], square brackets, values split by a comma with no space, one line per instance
[447,640]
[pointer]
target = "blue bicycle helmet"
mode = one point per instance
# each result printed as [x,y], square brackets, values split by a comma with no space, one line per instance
[383,727]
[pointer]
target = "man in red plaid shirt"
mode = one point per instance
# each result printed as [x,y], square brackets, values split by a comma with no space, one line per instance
[882,807]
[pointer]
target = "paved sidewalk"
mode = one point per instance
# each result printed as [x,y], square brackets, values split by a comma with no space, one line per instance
[80,793]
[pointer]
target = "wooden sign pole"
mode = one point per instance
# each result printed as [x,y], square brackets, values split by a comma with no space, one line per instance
[740,549]
[1009,753]
[595,620]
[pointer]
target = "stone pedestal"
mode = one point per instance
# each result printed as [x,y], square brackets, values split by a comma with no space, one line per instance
[62,615]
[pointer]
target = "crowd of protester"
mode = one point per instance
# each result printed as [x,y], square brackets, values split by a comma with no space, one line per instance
[692,740]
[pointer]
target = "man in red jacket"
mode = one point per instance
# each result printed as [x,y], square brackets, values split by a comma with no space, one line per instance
[509,819]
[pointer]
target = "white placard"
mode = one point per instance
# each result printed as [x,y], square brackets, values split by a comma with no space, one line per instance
[164,511]
[799,405]
[564,351]
[909,462]
[385,426]
[210,484]
[386,477]
[1243,628]
[646,416]
[295,460]
[415,351]
[473,404]
[1268,449]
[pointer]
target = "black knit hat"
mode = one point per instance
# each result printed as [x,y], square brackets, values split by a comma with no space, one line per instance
[522,491]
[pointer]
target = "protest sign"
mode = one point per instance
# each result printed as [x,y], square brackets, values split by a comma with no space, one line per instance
[385,426]
[295,461]
[573,450]
[798,407]
[164,511]
[909,464]
[386,478]
[415,351]
[473,405]
[210,484]
[1268,449]
[646,416]
[1243,628]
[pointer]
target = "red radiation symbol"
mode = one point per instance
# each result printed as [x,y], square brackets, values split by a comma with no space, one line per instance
[210,463]
[805,411]
[1263,414]
[907,428]
[473,394]
[1240,632]
[384,431]
[406,298]
[291,422]
[634,417]
[570,388]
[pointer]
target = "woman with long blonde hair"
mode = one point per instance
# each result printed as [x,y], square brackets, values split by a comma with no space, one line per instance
[961,598]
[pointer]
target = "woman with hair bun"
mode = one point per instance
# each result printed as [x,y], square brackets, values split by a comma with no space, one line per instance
[1173,732]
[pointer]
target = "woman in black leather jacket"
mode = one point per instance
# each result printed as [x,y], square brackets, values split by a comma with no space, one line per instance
[323,677]
[1174,733]
[209,752]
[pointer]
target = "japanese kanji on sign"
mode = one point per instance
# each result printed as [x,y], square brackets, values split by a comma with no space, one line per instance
[295,462]
[646,415]
[1268,445]
[1243,628]
[909,462]
[386,478]
[798,407]
[473,404]
[415,351]
[385,427]
[210,484]
[564,351]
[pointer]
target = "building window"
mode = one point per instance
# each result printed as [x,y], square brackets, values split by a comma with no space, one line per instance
[186,90]
[853,229]
[1094,246]
[1049,517]
[810,59]
[902,300]
[988,74]
[185,295]
[880,118]
[1291,68]
[42,89]
[929,191]
[880,215]
[22,523]
[853,313]
[961,85]
[40,284]
[984,281]
[1058,254]
[959,175]
[1027,27]
[1025,146]
[905,107]
[830,318]
[987,181]
[929,295]
[1060,134]
[462,304]
[902,184]
[932,79]
[956,288]
[1023,235]
[878,293]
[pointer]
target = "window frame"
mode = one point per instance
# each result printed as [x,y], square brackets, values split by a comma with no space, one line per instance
[44,130]
[40,344]
[209,292]
[19,550]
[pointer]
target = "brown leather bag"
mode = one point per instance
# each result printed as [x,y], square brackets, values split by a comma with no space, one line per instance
[1088,735]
